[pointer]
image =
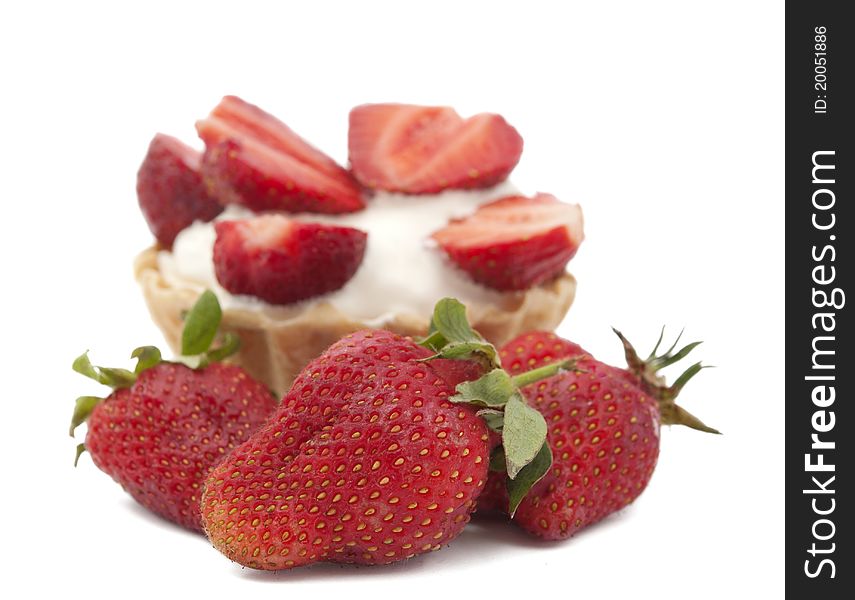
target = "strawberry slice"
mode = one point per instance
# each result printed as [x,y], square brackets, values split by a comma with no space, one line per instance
[170,190]
[256,160]
[514,243]
[427,149]
[282,260]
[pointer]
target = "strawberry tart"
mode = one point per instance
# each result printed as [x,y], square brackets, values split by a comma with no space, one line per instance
[301,251]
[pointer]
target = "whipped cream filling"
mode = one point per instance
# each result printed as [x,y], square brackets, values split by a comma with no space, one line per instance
[402,272]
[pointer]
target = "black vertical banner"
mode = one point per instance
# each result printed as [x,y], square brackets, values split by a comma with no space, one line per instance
[820,358]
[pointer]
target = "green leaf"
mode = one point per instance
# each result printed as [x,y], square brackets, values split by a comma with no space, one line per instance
[201,325]
[674,345]
[677,415]
[492,389]
[523,434]
[81,448]
[684,378]
[527,477]
[230,345]
[434,341]
[84,366]
[669,359]
[656,347]
[449,319]
[83,407]
[115,378]
[465,350]
[497,460]
[147,357]
[451,336]
[495,419]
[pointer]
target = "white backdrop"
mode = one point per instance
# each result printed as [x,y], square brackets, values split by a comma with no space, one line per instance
[663,119]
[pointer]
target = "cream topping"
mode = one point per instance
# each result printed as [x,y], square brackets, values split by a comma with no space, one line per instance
[402,272]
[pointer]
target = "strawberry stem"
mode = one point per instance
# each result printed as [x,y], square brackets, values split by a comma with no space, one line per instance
[543,372]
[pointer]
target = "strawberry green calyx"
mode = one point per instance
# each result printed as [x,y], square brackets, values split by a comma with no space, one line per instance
[523,434]
[81,448]
[525,454]
[83,407]
[201,324]
[647,372]
[147,357]
[200,330]
[451,336]
[114,378]
[527,477]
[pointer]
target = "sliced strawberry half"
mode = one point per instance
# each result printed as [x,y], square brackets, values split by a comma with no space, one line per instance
[170,190]
[282,260]
[514,243]
[256,160]
[427,149]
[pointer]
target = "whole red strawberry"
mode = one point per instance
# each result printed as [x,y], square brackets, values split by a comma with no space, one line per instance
[170,190]
[371,458]
[515,242]
[366,461]
[427,149]
[603,433]
[282,260]
[166,425]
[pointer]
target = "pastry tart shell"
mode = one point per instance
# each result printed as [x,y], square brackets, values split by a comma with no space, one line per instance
[277,341]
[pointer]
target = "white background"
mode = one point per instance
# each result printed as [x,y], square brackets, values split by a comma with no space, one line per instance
[664,120]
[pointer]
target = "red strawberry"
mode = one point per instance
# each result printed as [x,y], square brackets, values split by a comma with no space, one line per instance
[170,189]
[160,442]
[256,160]
[166,425]
[427,149]
[366,461]
[282,260]
[514,243]
[603,433]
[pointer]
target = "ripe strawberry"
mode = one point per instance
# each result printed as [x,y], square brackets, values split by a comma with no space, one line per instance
[603,432]
[165,426]
[282,260]
[514,243]
[427,149]
[170,190]
[366,461]
[256,160]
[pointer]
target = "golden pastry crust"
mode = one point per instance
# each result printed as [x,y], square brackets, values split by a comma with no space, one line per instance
[277,342]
